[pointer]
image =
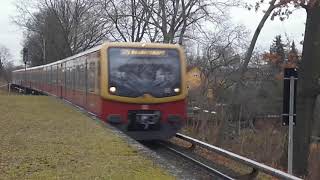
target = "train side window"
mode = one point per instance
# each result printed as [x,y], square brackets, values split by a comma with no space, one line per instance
[83,77]
[74,70]
[98,76]
[91,76]
[82,62]
[63,74]
[68,75]
[71,76]
[50,75]
[56,74]
[53,79]
[47,75]
[77,76]
[55,82]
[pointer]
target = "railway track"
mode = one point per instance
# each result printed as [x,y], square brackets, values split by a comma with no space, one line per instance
[214,170]
[196,160]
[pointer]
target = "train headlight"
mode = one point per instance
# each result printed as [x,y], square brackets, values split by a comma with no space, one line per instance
[176,90]
[113,89]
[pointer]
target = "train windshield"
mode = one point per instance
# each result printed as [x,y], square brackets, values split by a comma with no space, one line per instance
[134,72]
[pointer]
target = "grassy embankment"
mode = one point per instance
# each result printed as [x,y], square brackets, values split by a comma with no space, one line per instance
[41,138]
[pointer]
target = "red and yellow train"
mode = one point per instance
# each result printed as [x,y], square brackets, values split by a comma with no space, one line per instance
[138,87]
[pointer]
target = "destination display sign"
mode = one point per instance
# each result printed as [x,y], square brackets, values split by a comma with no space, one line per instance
[143,52]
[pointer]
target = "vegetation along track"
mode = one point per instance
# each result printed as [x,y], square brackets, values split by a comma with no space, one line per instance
[199,154]
[196,160]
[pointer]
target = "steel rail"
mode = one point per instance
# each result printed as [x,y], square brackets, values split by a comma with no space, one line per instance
[3,85]
[216,172]
[243,160]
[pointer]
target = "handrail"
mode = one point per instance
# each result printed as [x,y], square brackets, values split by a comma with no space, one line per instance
[255,165]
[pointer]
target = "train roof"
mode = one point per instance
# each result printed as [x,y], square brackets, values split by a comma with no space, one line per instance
[116,44]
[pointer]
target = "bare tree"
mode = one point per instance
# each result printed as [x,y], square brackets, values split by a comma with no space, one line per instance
[61,28]
[79,21]
[173,18]
[129,19]
[5,63]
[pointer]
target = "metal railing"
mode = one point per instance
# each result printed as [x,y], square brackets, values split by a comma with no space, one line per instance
[3,85]
[243,160]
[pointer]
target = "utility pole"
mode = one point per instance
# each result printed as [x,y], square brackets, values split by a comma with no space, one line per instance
[25,59]
[291,123]
[289,108]
[44,50]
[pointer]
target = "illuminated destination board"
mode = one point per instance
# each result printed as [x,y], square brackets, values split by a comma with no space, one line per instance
[143,52]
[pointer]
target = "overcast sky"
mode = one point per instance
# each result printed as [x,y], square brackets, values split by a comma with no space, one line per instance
[11,35]
[293,28]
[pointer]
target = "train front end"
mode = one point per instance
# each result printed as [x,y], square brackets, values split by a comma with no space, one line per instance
[143,89]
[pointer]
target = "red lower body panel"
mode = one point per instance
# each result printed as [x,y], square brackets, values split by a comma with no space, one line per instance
[172,114]
[170,108]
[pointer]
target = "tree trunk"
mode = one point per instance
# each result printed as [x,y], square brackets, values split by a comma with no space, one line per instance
[247,58]
[314,148]
[314,159]
[244,67]
[308,88]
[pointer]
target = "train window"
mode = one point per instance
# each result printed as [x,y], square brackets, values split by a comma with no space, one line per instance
[77,78]
[67,74]
[32,76]
[92,72]
[53,72]
[73,76]
[137,72]
[98,76]
[91,76]
[70,73]
[82,78]
[53,75]
[69,78]
[59,72]
[49,75]
[63,74]
[56,74]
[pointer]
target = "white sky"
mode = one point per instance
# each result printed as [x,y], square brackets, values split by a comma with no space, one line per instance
[11,35]
[293,28]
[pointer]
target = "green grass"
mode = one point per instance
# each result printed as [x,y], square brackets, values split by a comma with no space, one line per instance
[41,138]
[3,90]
